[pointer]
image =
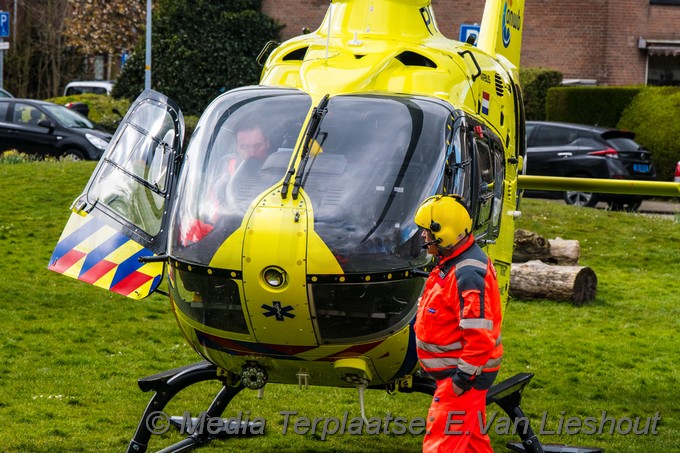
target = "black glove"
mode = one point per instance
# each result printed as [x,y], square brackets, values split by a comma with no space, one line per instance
[462,380]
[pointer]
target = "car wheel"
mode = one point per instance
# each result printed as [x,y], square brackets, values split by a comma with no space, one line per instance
[587,199]
[72,155]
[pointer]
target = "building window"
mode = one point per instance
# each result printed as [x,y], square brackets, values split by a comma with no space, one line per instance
[664,2]
[663,70]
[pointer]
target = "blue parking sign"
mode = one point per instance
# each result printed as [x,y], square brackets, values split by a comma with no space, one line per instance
[467,30]
[4,24]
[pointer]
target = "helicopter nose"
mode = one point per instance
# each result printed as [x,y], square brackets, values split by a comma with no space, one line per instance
[274,271]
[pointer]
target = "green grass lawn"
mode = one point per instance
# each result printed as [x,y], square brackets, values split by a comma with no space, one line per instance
[71,354]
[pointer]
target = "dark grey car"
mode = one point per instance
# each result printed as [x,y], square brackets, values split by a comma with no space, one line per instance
[45,129]
[574,150]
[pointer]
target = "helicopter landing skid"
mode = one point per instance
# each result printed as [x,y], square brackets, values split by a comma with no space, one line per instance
[507,394]
[166,385]
[553,448]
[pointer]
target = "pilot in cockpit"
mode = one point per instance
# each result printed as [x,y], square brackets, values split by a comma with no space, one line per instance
[250,151]
[251,143]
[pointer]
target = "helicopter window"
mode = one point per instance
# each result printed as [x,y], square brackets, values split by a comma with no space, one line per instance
[462,163]
[485,173]
[489,171]
[132,180]
[148,120]
[364,310]
[499,173]
[485,162]
[242,146]
[377,158]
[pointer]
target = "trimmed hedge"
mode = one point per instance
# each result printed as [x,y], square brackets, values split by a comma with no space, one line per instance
[535,84]
[601,106]
[654,115]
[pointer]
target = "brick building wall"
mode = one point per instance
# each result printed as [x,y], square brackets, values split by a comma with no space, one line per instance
[596,39]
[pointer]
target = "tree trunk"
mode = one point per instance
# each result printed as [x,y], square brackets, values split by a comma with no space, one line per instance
[537,280]
[532,246]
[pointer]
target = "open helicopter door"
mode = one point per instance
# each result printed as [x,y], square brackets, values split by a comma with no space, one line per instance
[121,216]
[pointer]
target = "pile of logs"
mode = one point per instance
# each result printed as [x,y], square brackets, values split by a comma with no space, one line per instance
[548,269]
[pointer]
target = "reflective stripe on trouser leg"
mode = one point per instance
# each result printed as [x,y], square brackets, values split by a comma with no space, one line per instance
[453,422]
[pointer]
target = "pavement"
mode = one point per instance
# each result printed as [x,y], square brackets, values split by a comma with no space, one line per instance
[653,206]
[660,207]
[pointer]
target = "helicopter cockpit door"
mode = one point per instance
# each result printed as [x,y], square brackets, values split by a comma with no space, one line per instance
[122,214]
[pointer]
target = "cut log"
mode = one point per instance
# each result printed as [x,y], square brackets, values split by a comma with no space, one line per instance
[532,246]
[537,280]
[564,251]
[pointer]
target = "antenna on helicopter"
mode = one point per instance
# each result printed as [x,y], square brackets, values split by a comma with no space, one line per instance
[328,35]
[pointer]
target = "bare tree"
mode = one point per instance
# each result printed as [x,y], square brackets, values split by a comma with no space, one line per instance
[39,61]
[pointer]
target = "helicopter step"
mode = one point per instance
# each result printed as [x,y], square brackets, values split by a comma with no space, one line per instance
[507,394]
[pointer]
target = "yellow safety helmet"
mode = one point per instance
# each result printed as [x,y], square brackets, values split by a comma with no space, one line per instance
[446,216]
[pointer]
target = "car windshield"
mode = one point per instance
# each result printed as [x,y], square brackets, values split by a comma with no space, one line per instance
[69,118]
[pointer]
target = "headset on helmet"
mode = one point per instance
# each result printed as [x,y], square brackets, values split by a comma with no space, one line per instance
[446,216]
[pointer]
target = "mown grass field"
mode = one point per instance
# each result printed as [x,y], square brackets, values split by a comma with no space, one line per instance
[71,354]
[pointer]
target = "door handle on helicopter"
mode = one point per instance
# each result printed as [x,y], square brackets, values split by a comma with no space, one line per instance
[153,259]
[474,60]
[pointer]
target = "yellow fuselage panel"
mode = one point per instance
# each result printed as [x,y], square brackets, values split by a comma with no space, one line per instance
[276,238]
[392,19]
[384,358]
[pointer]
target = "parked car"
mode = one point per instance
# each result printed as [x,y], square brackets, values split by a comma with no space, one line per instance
[46,129]
[574,150]
[677,172]
[88,87]
[5,94]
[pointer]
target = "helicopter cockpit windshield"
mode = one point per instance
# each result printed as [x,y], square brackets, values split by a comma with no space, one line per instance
[372,161]
[242,145]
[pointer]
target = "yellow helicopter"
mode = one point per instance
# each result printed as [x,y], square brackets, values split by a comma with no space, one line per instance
[286,229]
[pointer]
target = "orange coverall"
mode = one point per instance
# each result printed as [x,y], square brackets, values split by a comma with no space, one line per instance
[458,340]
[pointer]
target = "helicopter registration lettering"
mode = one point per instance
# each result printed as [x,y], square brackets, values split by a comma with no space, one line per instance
[324,426]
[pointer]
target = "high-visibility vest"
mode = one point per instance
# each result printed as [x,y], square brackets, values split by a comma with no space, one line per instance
[458,325]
